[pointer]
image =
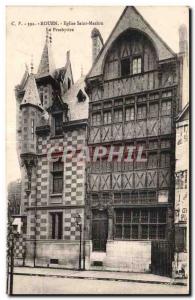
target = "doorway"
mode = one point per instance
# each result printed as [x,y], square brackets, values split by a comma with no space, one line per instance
[99,230]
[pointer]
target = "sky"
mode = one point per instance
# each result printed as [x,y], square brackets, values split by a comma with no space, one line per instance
[23,42]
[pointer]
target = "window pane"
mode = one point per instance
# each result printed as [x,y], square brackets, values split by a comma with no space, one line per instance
[125,67]
[162,215]
[141,112]
[127,216]
[152,232]
[118,115]
[119,216]
[127,231]
[144,232]
[107,117]
[134,232]
[96,119]
[152,160]
[153,216]
[137,65]
[144,216]
[153,110]
[135,216]
[165,160]
[118,231]
[130,114]
[58,119]
[161,231]
[166,108]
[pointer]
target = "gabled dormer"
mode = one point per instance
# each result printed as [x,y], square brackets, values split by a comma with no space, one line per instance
[59,114]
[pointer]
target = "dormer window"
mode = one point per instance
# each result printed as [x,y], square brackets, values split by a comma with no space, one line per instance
[58,122]
[81,96]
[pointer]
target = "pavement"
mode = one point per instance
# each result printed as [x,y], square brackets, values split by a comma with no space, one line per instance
[99,275]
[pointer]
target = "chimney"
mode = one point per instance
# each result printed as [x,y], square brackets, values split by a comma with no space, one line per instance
[183,41]
[97,43]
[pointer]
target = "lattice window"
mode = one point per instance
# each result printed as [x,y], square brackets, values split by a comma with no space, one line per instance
[118,115]
[153,110]
[166,94]
[141,112]
[130,113]
[154,96]
[96,119]
[107,117]
[166,108]
[118,102]
[153,144]
[137,65]
[140,223]
[165,160]
[152,160]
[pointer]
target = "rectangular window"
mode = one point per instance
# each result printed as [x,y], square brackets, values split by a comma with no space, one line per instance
[58,122]
[152,160]
[56,225]
[140,223]
[137,65]
[125,66]
[107,117]
[96,119]
[165,160]
[153,110]
[165,143]
[141,112]
[130,113]
[118,115]
[166,108]
[33,129]
[58,177]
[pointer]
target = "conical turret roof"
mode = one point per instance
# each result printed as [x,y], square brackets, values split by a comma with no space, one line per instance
[47,65]
[31,95]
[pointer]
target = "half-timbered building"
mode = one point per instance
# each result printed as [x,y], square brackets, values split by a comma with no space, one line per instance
[133,88]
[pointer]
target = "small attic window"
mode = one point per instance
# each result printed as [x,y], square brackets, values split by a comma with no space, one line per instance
[81,96]
[69,83]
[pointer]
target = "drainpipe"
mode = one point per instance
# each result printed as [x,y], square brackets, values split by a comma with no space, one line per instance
[35,240]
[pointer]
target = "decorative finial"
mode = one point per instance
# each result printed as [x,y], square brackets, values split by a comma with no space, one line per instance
[47,34]
[31,65]
[81,70]
[50,36]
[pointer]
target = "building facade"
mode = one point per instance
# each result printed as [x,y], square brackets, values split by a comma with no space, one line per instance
[129,100]
[134,92]
[52,117]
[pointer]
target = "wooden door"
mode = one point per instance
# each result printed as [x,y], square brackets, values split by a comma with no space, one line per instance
[99,230]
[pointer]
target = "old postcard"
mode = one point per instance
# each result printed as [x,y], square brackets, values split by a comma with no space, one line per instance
[98,150]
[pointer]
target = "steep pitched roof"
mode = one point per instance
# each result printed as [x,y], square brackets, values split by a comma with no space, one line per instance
[131,19]
[47,65]
[77,110]
[31,95]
